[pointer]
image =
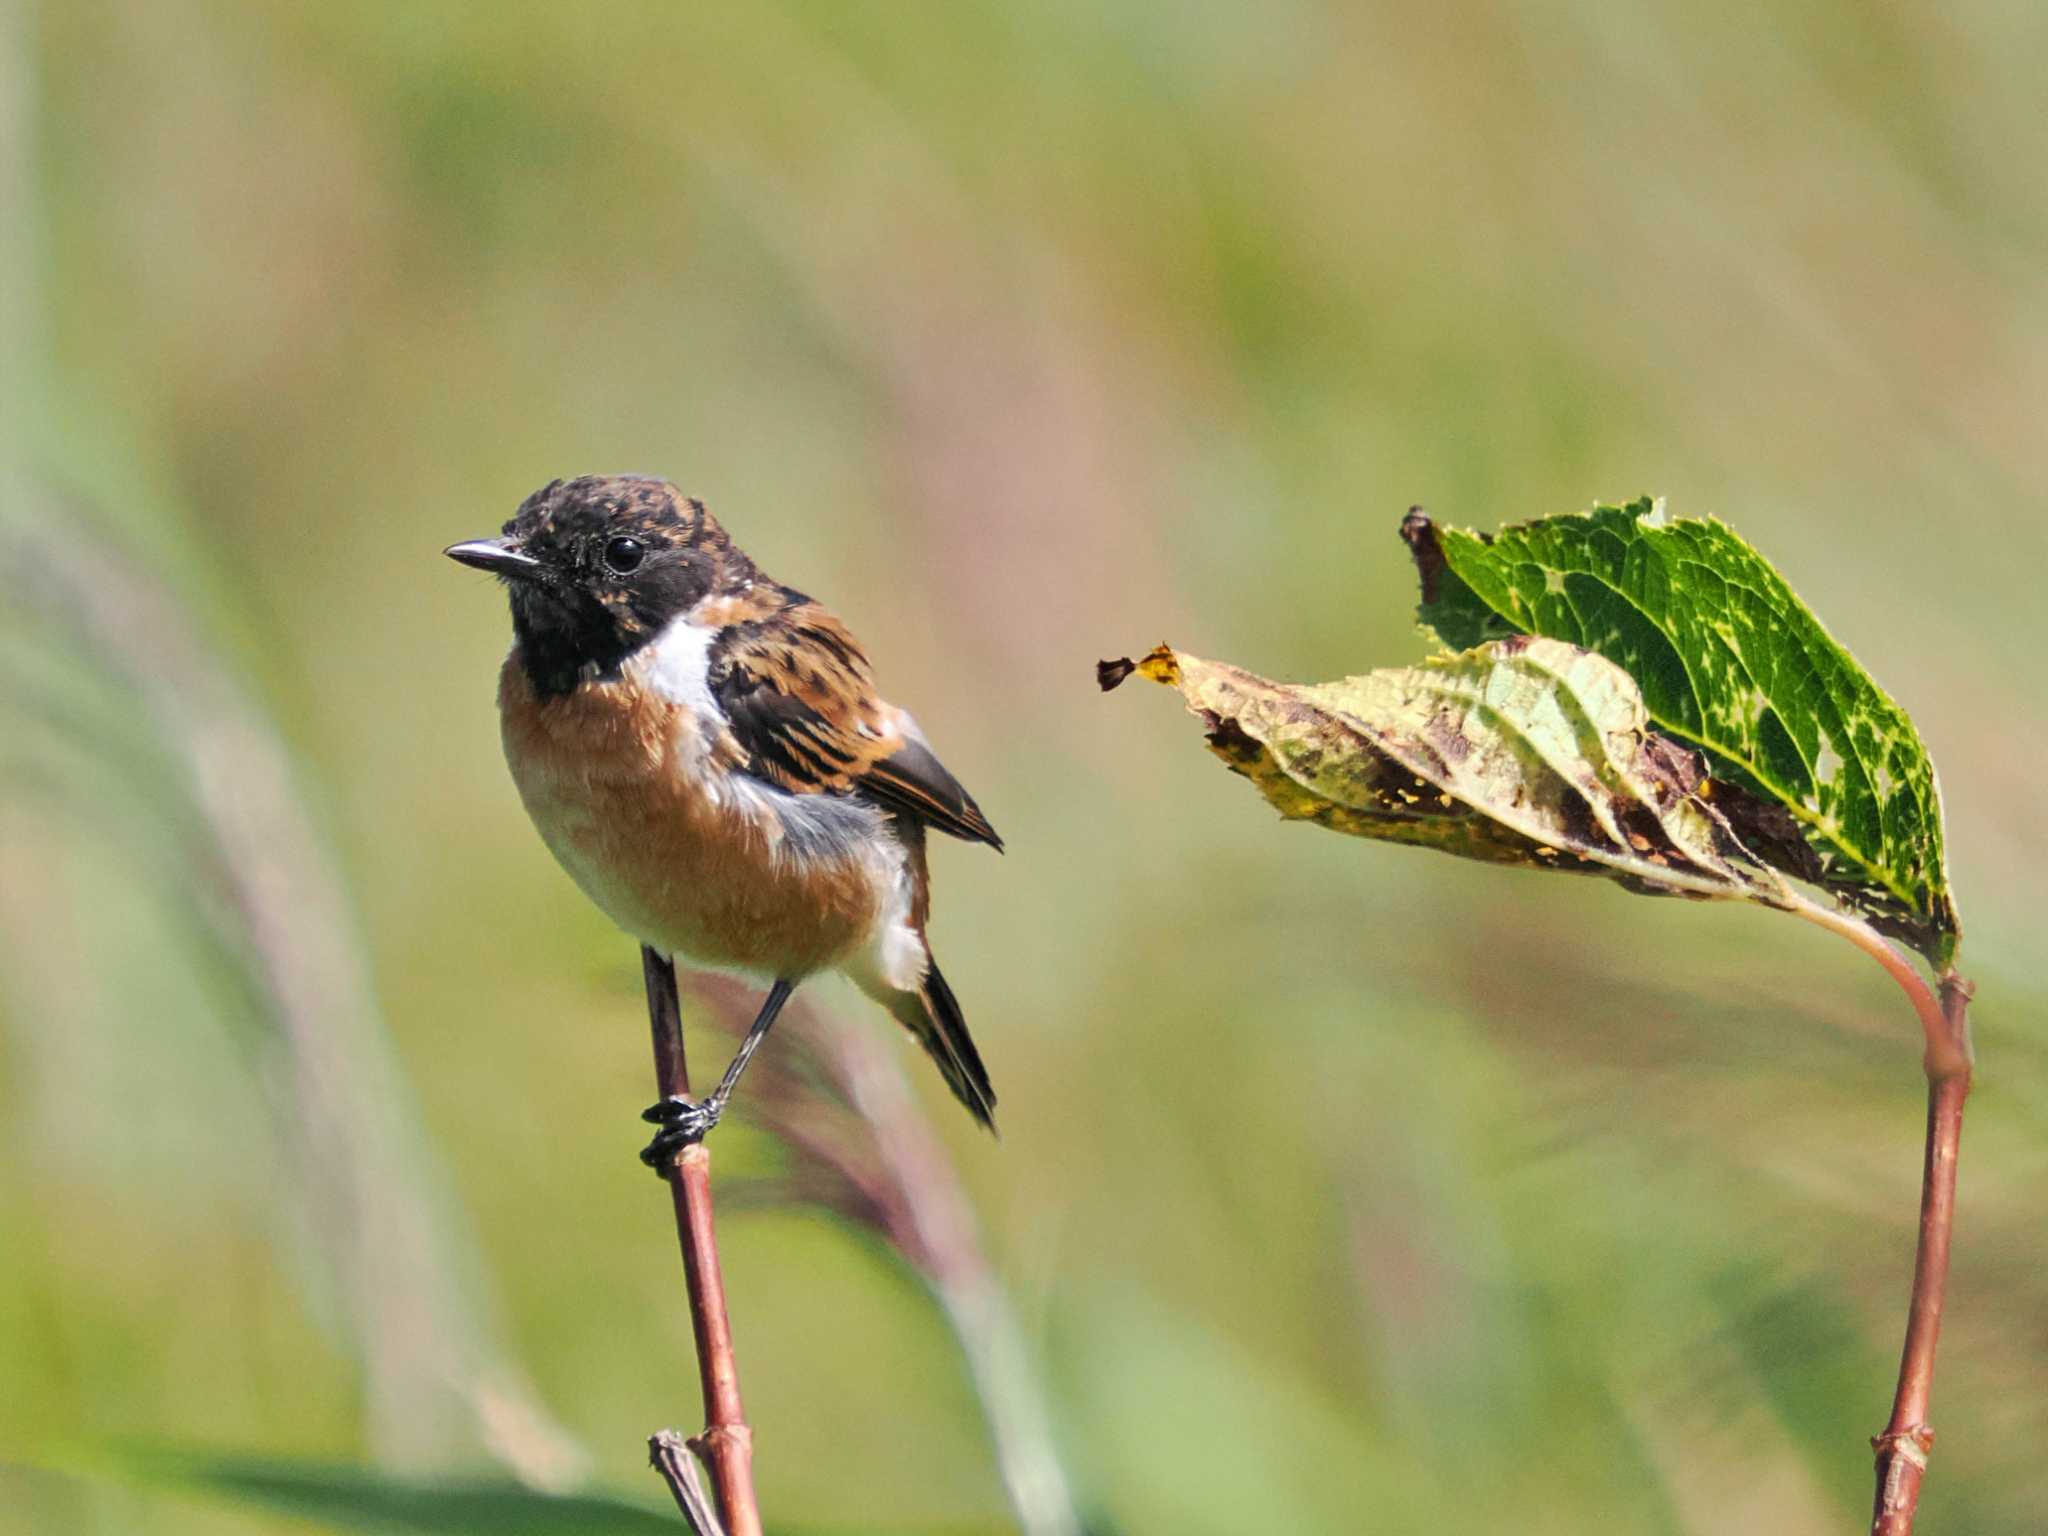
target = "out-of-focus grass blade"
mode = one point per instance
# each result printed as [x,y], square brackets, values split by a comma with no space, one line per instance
[117,673]
[348,1498]
[1811,1360]
[357,1499]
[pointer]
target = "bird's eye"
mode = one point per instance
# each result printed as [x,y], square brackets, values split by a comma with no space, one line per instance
[624,555]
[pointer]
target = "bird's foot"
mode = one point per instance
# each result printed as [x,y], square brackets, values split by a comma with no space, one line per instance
[682,1122]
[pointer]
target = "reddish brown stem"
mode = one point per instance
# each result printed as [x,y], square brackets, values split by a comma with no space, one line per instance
[1902,1448]
[727,1444]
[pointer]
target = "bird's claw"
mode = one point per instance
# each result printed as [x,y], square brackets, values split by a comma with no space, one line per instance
[682,1122]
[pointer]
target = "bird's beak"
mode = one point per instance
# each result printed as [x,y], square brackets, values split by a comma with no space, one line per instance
[501,557]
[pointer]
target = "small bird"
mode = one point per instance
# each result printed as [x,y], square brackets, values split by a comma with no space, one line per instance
[703,750]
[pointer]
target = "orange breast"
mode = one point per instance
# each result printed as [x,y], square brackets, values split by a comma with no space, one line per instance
[631,798]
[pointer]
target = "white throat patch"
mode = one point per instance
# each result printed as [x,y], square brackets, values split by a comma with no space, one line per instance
[680,670]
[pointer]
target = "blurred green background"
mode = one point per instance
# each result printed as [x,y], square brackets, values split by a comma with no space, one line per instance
[1342,1188]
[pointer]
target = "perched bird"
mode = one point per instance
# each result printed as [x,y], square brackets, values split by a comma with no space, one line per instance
[703,750]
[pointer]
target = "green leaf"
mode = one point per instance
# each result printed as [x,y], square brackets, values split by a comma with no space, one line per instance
[1729,660]
[1522,751]
[347,1498]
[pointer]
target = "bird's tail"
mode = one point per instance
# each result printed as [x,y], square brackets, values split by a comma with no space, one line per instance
[933,1014]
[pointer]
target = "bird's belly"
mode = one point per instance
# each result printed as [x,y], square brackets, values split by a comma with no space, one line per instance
[710,866]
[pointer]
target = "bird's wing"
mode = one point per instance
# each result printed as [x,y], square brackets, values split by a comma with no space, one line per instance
[800,701]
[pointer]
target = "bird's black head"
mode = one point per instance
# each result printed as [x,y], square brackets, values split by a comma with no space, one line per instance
[597,567]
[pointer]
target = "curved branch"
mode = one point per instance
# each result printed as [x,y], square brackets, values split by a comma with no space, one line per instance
[1948,1044]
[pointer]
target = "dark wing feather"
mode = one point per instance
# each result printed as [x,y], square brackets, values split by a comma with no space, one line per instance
[912,779]
[800,701]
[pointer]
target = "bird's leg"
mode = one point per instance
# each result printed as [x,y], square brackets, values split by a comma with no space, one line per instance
[683,1122]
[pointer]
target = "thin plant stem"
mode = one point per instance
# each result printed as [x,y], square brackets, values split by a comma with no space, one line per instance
[727,1443]
[1903,1447]
[865,1148]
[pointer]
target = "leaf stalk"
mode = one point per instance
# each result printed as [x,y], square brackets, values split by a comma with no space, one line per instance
[1948,1041]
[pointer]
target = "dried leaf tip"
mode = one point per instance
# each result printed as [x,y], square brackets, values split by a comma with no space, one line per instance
[1419,534]
[1160,665]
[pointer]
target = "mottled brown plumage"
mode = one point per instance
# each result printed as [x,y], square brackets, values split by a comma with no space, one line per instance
[797,692]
